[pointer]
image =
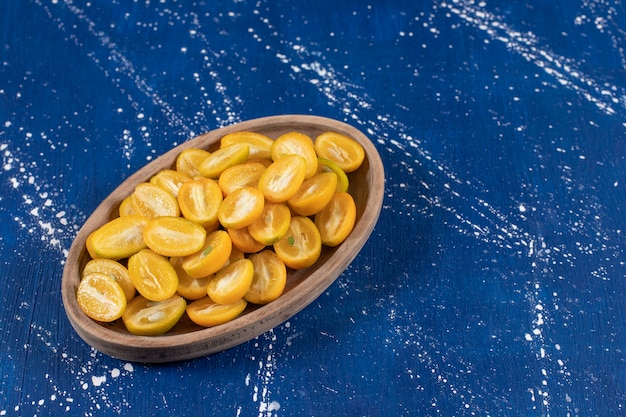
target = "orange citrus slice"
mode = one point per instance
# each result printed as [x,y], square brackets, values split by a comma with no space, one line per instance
[170,180]
[188,161]
[326,165]
[100,297]
[199,200]
[241,207]
[231,282]
[153,275]
[174,236]
[119,238]
[207,313]
[243,240]
[336,220]
[341,149]
[188,287]
[239,176]
[223,158]
[259,144]
[272,225]
[302,245]
[269,279]
[150,200]
[115,270]
[296,143]
[282,179]
[211,258]
[314,194]
[126,207]
[152,318]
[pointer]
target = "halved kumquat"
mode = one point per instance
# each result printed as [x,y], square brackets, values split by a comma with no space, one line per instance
[301,246]
[269,279]
[170,180]
[223,158]
[211,258]
[272,224]
[199,200]
[150,200]
[243,240]
[326,165]
[119,238]
[239,176]
[188,287]
[188,161]
[282,179]
[100,297]
[144,317]
[174,236]
[296,143]
[241,208]
[115,270]
[314,194]
[259,143]
[231,282]
[341,149]
[207,313]
[336,220]
[153,275]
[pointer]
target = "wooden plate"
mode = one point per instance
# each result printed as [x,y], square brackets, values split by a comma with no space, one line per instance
[187,340]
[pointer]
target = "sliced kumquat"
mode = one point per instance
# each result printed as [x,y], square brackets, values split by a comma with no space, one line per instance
[223,158]
[239,176]
[199,200]
[188,161]
[150,200]
[153,275]
[269,279]
[295,143]
[243,240]
[174,236]
[341,149]
[336,220]
[235,254]
[207,313]
[263,161]
[314,194]
[301,246]
[259,143]
[144,317]
[189,287]
[115,270]
[126,207]
[231,282]
[170,180]
[100,297]
[241,207]
[326,165]
[282,179]
[272,225]
[119,238]
[211,258]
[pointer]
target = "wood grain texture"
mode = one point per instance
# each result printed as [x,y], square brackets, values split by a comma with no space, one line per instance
[187,340]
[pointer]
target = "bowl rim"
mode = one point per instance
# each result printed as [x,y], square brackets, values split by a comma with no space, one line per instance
[202,342]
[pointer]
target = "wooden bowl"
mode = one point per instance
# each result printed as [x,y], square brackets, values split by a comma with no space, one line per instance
[188,340]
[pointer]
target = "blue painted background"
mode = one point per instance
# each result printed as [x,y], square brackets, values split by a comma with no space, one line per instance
[493,284]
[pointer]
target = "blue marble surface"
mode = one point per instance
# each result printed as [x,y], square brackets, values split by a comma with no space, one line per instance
[493,284]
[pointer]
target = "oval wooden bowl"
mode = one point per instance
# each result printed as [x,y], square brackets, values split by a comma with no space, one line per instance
[187,340]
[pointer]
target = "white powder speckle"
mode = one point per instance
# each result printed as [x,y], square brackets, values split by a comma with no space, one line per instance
[98,380]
